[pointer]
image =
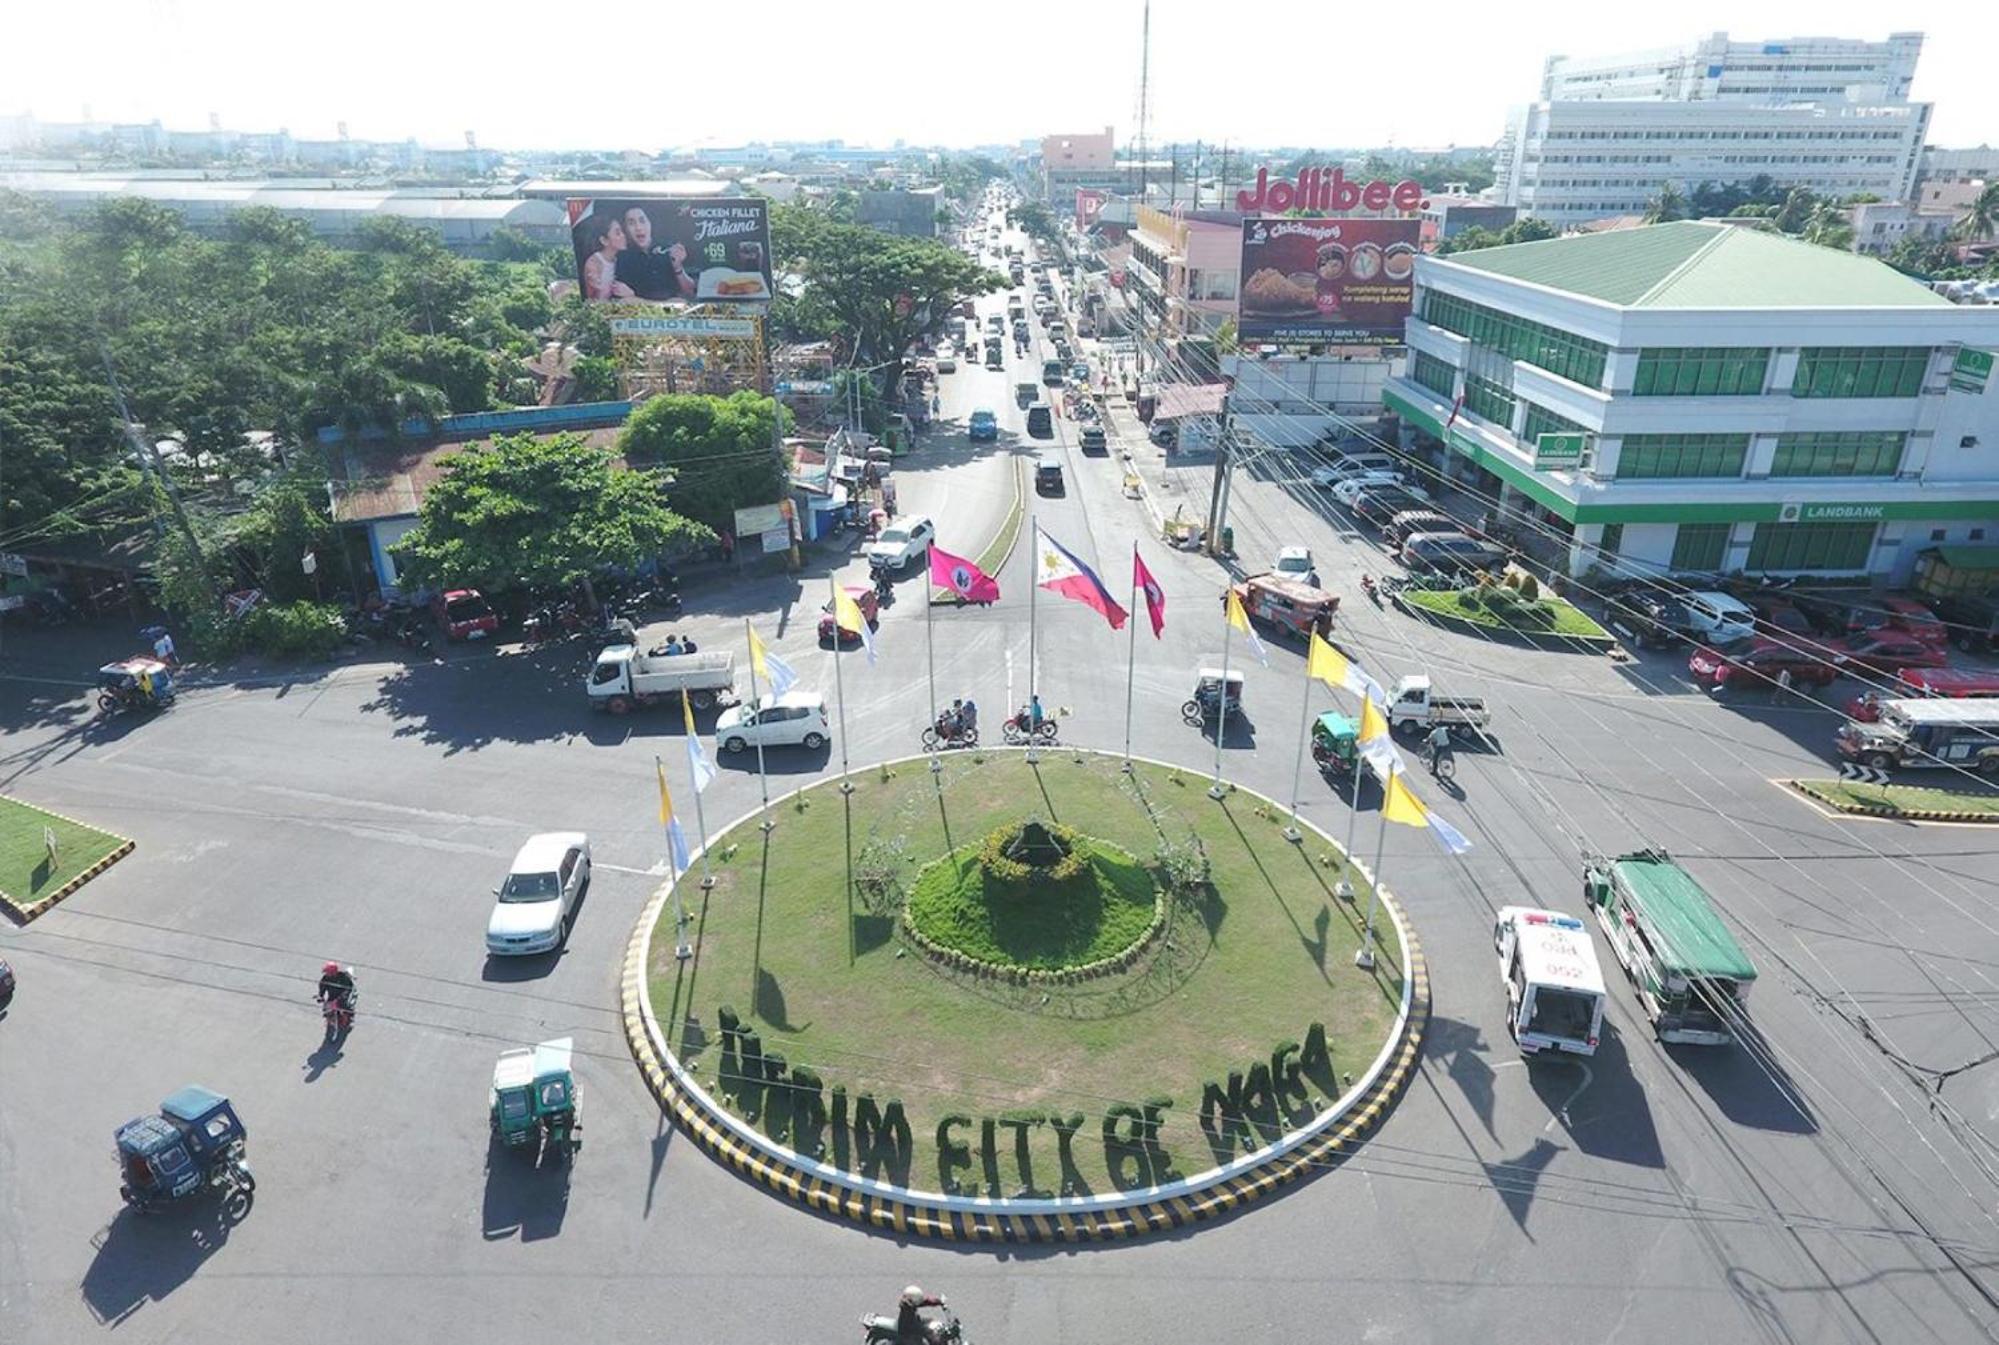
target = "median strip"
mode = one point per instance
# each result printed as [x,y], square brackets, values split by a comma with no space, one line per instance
[999,549]
[1907,803]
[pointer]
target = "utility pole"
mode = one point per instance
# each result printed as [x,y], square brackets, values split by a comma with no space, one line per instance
[149,464]
[1197,175]
[1218,494]
[1144,78]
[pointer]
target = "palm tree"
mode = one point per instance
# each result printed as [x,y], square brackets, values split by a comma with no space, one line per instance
[1669,204]
[1826,226]
[1981,217]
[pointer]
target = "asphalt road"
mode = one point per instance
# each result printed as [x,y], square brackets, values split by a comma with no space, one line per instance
[1815,1188]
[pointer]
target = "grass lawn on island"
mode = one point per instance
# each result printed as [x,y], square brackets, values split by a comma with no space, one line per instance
[26,876]
[1267,952]
[1566,618]
[1902,798]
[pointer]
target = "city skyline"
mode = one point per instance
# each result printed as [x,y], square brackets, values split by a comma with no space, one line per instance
[908,88]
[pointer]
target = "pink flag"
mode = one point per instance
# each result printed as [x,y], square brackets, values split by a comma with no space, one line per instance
[1155,596]
[962,577]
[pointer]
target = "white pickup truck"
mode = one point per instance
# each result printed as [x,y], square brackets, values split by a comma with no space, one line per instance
[1414,705]
[625,679]
[901,545]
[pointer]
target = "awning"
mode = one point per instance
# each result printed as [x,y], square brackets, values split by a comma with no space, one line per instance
[1177,400]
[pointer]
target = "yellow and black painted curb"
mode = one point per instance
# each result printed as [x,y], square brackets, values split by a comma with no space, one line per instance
[24,912]
[903,1214]
[1807,788]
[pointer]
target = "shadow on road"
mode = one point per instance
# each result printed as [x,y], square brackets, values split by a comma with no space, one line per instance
[526,1194]
[1749,1085]
[141,1258]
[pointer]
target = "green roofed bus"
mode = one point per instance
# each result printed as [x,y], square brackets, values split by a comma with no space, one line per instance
[1690,973]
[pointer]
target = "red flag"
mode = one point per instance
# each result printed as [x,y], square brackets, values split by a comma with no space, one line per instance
[962,577]
[1155,596]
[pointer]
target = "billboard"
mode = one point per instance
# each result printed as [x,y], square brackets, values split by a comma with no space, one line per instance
[1330,281]
[706,250]
[1089,205]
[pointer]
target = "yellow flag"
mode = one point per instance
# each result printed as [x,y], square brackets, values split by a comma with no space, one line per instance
[665,799]
[1326,664]
[1398,804]
[846,612]
[1372,724]
[1237,617]
[757,654]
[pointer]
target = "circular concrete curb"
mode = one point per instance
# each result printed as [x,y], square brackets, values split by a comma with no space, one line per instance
[1892,814]
[1326,1139]
[23,914]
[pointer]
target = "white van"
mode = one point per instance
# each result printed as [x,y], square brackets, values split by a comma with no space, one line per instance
[1721,618]
[1554,991]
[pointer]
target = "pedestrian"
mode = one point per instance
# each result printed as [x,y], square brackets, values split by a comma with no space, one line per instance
[163,649]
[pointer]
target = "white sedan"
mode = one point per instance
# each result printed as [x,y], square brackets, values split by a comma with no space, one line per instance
[795,719]
[1349,490]
[538,900]
[1295,562]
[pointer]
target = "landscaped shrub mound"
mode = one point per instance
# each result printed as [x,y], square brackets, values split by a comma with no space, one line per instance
[1034,896]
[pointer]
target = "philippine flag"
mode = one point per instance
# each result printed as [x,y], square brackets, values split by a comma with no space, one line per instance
[962,577]
[1059,572]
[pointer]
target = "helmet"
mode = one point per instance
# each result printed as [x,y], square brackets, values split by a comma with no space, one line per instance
[330,969]
[913,1296]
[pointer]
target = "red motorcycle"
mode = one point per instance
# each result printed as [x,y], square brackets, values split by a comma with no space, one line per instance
[338,1013]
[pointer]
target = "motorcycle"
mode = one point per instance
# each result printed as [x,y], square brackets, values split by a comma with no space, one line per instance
[337,1011]
[1367,586]
[944,1328]
[413,632]
[947,732]
[1015,729]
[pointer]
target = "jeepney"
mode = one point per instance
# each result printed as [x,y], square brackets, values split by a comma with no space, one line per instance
[1691,975]
[1288,606]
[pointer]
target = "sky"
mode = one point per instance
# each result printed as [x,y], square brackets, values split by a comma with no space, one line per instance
[634,76]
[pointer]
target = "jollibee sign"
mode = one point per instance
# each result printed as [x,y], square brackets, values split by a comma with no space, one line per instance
[1320,189]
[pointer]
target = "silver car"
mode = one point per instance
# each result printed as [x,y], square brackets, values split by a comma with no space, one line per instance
[538,901]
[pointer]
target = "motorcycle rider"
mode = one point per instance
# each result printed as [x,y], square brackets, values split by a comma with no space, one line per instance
[911,1327]
[337,982]
[1034,716]
[968,716]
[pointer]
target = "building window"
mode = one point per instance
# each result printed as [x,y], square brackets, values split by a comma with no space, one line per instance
[1539,420]
[1843,453]
[1860,371]
[1841,547]
[1612,540]
[1434,374]
[1700,546]
[1560,353]
[1489,401]
[1681,455]
[1701,371]
[1937,534]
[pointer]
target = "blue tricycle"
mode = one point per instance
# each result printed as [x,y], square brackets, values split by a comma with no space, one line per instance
[194,1145]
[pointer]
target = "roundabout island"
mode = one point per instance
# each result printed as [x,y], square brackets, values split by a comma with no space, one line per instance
[1024,998]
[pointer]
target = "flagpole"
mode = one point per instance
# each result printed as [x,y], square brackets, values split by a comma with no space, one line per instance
[763,781]
[681,948]
[930,658]
[839,684]
[1033,584]
[1345,887]
[1215,790]
[1364,959]
[1291,833]
[1131,659]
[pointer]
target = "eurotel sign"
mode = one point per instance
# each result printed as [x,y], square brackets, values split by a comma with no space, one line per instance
[1322,189]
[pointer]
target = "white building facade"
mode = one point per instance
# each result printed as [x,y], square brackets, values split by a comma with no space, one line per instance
[1824,113]
[1723,399]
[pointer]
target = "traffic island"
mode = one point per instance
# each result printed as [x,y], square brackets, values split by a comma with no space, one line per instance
[1018,1000]
[44,857]
[1907,803]
[1546,622]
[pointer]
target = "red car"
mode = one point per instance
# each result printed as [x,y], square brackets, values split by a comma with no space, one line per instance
[1762,663]
[1902,616]
[1885,652]
[865,599]
[464,614]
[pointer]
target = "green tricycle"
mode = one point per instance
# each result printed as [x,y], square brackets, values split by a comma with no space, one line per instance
[534,1100]
[1335,745]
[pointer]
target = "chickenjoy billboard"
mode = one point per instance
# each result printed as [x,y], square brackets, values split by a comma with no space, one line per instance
[707,250]
[1329,281]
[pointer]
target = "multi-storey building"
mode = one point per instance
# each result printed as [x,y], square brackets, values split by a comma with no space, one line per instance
[1825,113]
[1696,397]
[1184,269]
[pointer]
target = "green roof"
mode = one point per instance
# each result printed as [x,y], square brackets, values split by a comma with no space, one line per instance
[1686,931]
[1692,265]
[1968,557]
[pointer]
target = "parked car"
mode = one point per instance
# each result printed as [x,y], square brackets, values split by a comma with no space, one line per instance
[1407,523]
[1903,616]
[1092,440]
[1646,617]
[537,903]
[982,426]
[1295,562]
[1053,372]
[795,719]
[864,597]
[1449,553]
[1720,618]
[1760,665]
[1885,653]
[902,544]
[1781,619]
[1349,490]
[1376,505]
[1353,464]
[1972,621]
[464,614]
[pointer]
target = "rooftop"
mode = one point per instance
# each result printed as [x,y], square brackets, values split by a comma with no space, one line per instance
[1697,265]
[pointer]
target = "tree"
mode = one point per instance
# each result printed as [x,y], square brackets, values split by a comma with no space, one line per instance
[1797,208]
[1981,217]
[1929,258]
[545,513]
[1670,204]
[721,452]
[508,244]
[1033,218]
[1827,226]
[1529,230]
